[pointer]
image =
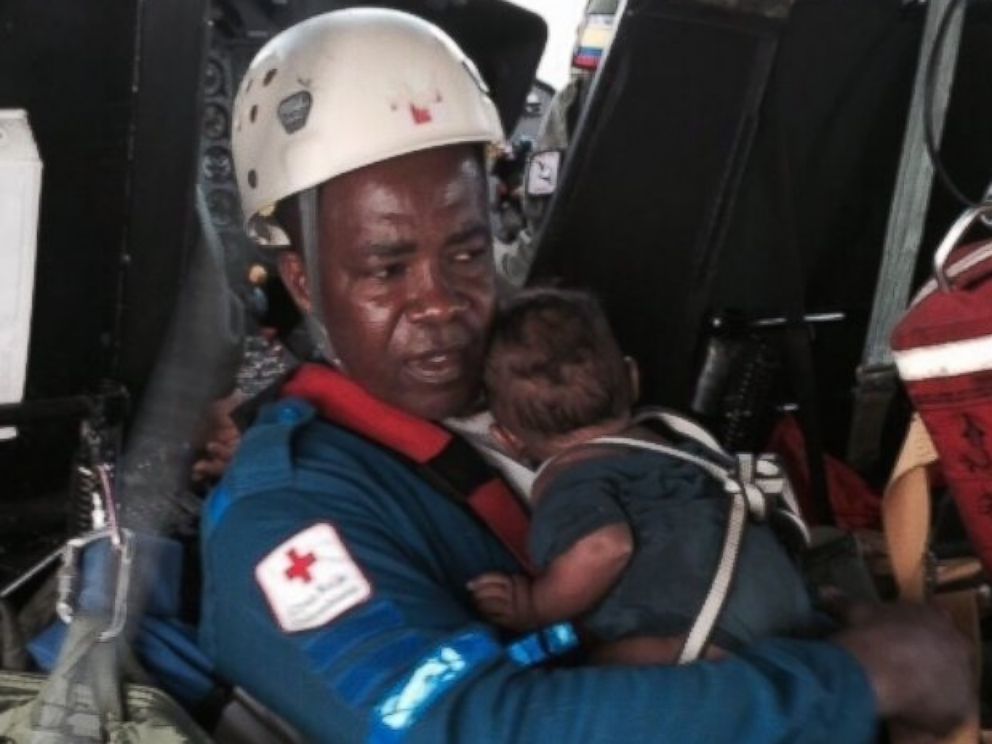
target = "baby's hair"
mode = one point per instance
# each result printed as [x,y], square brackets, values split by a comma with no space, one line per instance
[553,365]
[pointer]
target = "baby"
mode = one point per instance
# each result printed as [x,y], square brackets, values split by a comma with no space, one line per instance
[625,540]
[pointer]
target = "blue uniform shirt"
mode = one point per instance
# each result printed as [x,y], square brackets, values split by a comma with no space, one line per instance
[335,593]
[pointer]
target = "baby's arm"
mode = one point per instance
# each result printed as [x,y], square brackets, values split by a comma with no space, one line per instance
[573,583]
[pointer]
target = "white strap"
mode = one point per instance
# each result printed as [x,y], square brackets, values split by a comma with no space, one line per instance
[756,503]
[705,621]
[720,473]
[766,471]
[756,477]
[682,426]
[746,498]
[771,478]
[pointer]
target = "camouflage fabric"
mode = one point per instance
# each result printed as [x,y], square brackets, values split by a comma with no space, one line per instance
[13,654]
[83,700]
[554,134]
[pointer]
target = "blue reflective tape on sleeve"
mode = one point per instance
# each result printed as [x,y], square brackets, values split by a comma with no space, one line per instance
[365,681]
[560,638]
[527,651]
[545,644]
[436,674]
[327,647]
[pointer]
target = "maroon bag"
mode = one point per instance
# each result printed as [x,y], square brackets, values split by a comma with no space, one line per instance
[943,351]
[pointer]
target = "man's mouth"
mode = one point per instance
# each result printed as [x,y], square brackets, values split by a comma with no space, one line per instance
[437,367]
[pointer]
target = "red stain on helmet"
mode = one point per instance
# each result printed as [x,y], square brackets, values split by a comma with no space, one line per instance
[420,115]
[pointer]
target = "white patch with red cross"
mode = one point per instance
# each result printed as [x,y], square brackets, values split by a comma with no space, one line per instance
[311,579]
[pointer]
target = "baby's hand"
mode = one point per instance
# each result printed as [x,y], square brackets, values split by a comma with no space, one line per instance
[505,600]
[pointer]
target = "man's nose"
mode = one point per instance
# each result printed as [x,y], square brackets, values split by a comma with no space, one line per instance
[434,298]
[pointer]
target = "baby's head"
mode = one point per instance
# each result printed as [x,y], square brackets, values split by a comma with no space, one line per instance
[554,374]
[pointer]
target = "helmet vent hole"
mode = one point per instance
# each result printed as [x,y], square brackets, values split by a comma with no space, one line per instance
[252,178]
[268,76]
[254,113]
[248,84]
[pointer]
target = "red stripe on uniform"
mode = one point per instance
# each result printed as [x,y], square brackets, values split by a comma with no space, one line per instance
[494,503]
[343,401]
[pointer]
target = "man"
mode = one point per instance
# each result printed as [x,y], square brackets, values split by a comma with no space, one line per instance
[336,559]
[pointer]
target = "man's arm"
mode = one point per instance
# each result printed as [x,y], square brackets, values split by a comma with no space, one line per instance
[573,583]
[376,673]
[365,633]
[916,661]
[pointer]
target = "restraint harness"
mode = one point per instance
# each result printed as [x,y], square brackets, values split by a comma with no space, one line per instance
[757,486]
[443,458]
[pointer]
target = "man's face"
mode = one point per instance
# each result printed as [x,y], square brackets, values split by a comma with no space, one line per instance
[408,283]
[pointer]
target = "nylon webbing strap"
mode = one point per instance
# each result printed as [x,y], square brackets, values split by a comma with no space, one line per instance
[460,472]
[721,474]
[310,235]
[716,597]
[904,233]
[747,495]
[765,470]
[684,427]
[442,458]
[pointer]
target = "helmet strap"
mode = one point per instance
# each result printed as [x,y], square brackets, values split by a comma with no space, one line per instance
[310,236]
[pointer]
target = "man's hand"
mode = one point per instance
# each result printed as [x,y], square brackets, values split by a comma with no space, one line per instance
[916,661]
[221,438]
[505,600]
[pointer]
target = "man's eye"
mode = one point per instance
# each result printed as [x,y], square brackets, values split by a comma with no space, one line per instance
[469,255]
[390,271]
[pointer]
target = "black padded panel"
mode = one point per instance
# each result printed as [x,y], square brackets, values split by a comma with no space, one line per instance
[652,175]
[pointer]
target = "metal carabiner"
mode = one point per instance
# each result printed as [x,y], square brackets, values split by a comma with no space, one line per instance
[951,239]
[69,573]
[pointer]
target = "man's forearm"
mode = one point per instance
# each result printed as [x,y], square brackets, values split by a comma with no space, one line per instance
[778,693]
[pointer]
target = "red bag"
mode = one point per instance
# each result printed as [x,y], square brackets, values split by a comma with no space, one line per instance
[943,351]
[854,505]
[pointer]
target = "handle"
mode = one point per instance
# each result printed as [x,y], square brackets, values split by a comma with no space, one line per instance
[68,576]
[951,239]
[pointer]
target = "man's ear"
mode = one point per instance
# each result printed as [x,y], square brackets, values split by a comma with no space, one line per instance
[508,441]
[634,375]
[292,269]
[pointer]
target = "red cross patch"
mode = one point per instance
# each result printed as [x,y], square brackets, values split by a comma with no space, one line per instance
[299,566]
[311,579]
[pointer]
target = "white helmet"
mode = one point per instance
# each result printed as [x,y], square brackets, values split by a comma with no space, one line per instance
[344,90]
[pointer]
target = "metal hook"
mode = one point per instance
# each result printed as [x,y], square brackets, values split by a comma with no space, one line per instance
[110,504]
[69,572]
[951,239]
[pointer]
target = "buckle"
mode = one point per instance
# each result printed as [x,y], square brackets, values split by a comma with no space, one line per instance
[68,575]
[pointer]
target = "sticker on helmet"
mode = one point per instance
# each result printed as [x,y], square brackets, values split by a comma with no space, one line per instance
[294,111]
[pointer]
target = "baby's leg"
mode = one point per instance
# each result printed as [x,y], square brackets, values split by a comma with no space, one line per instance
[641,650]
